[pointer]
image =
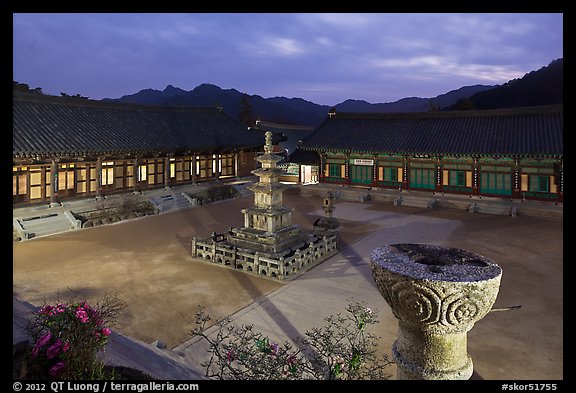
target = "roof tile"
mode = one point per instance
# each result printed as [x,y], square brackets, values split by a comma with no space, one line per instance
[50,125]
[525,131]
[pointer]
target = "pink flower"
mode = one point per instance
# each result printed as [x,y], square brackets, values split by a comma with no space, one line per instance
[230,356]
[274,347]
[46,310]
[82,315]
[57,369]
[44,340]
[66,346]
[54,349]
[106,331]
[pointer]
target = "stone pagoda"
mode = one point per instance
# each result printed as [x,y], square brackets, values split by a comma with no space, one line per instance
[268,225]
[268,244]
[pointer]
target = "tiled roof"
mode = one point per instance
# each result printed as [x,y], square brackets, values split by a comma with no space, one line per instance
[294,134]
[520,131]
[48,126]
[304,157]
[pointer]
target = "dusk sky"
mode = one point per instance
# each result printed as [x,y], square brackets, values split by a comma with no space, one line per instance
[324,58]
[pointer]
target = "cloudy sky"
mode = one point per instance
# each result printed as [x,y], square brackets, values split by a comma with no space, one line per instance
[324,58]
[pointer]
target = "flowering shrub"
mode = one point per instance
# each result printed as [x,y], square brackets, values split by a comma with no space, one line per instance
[342,349]
[68,336]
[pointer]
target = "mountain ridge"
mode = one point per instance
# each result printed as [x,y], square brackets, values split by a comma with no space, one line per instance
[280,109]
[539,87]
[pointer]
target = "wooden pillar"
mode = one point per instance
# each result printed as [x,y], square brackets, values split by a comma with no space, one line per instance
[167,173]
[561,185]
[438,172]
[347,169]
[374,171]
[475,177]
[516,179]
[236,164]
[322,167]
[135,172]
[46,178]
[54,182]
[404,173]
[99,177]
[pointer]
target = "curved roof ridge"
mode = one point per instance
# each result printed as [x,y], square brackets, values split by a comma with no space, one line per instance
[77,101]
[466,113]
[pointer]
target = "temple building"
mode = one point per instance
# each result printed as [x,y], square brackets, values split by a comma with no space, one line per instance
[505,153]
[71,148]
[294,135]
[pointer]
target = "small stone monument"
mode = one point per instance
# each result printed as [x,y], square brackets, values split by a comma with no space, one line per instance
[437,294]
[328,221]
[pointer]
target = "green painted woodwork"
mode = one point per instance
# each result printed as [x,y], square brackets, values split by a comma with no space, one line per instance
[422,178]
[495,183]
[361,174]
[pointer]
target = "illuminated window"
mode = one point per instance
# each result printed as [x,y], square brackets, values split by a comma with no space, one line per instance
[107,173]
[142,172]
[66,176]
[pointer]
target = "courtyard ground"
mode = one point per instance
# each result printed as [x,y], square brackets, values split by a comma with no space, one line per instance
[147,262]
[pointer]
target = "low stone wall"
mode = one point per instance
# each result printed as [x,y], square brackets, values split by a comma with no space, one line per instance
[214,193]
[219,252]
[114,213]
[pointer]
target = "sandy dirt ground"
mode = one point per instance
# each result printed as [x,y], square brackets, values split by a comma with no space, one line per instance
[147,263]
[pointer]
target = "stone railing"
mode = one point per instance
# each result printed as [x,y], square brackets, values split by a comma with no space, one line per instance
[216,250]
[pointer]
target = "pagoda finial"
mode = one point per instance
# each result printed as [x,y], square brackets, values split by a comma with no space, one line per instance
[268,138]
[268,147]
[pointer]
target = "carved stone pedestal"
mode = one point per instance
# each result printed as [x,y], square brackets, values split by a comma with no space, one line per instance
[437,294]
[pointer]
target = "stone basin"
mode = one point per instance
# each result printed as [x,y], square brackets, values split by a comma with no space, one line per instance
[437,294]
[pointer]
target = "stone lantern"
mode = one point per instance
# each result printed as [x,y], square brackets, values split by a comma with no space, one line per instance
[437,294]
[328,221]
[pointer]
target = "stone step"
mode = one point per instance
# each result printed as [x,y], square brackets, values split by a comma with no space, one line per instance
[415,201]
[169,202]
[242,188]
[46,224]
[492,208]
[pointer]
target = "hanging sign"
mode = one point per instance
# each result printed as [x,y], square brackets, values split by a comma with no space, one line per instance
[360,161]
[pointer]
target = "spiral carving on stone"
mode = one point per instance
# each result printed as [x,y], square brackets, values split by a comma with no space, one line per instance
[416,303]
[423,305]
[460,309]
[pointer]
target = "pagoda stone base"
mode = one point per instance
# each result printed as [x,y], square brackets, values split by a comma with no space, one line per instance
[283,265]
[279,242]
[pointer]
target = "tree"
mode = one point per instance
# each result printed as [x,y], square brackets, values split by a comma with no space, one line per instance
[246,115]
[73,96]
[464,104]
[342,349]
[433,107]
[24,88]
